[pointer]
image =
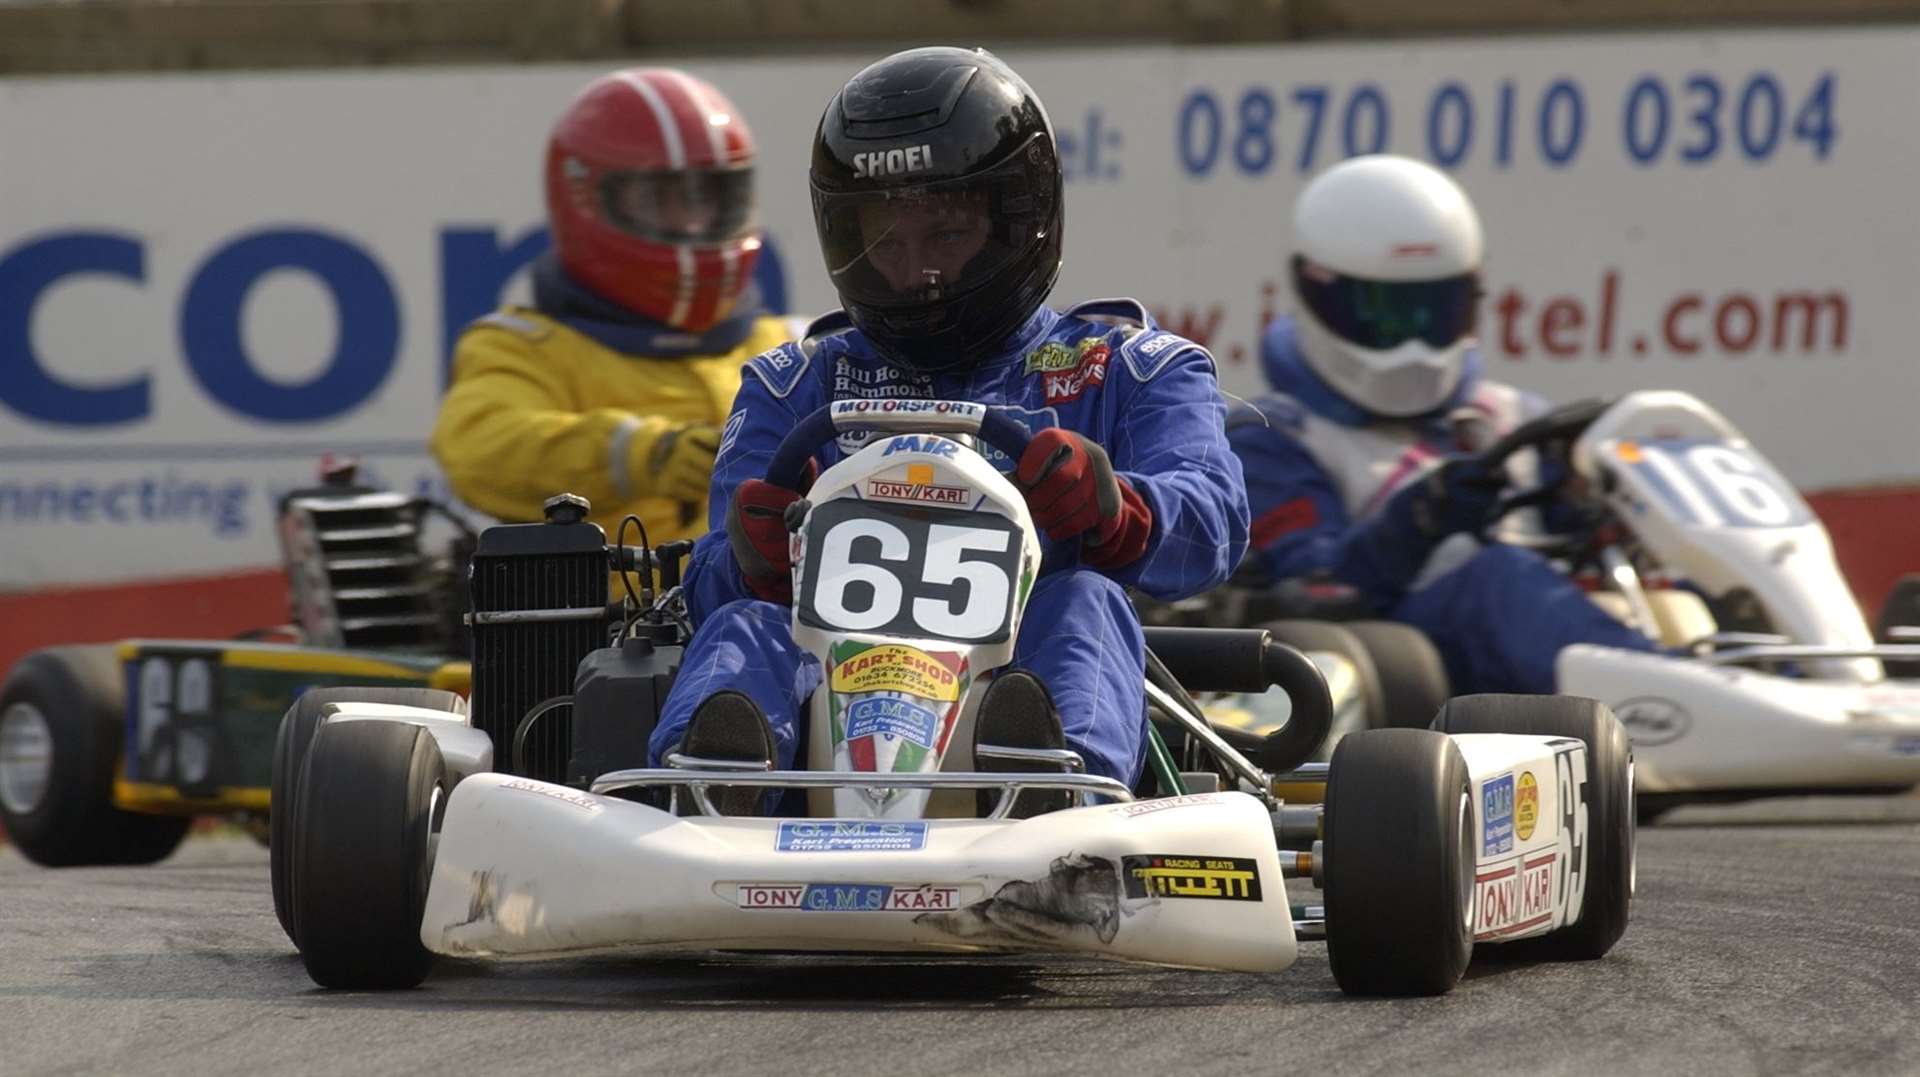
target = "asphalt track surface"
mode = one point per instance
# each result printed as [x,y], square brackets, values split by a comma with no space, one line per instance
[1771,938]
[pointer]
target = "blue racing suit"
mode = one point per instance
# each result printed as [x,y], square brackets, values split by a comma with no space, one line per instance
[1102,370]
[1321,478]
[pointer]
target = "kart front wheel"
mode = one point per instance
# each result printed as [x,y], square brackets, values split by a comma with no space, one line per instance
[290,748]
[62,711]
[1399,863]
[369,802]
[1611,864]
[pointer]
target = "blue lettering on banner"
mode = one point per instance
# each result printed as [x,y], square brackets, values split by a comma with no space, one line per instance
[26,385]
[1496,815]
[476,265]
[893,718]
[367,339]
[850,836]
[1684,121]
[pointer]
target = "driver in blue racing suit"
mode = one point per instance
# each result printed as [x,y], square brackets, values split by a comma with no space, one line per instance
[1358,466]
[937,197]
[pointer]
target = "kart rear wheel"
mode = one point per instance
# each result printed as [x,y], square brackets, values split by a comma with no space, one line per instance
[1399,863]
[62,711]
[369,803]
[1336,639]
[1611,864]
[289,756]
[1900,610]
[1413,679]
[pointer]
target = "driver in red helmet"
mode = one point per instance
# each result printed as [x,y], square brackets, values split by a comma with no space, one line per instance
[614,383]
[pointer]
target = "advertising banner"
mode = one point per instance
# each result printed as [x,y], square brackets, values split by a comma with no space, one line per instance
[207,282]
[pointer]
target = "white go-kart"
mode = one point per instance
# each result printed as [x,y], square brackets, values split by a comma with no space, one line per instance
[1511,820]
[1772,682]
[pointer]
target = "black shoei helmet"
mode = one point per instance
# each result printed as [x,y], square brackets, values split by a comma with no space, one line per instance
[937,197]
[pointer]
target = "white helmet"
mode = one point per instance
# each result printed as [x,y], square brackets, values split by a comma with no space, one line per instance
[1386,269]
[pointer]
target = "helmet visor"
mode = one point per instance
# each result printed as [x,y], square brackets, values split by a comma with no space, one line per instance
[1384,314]
[904,247]
[703,206]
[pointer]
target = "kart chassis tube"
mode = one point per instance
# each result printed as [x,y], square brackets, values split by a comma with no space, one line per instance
[699,780]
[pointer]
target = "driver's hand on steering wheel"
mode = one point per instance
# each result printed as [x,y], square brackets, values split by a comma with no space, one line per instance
[1072,491]
[757,533]
[1459,495]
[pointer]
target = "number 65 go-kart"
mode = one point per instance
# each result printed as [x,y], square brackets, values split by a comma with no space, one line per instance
[913,562]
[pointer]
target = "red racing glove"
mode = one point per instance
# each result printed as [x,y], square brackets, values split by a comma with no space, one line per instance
[1072,490]
[757,532]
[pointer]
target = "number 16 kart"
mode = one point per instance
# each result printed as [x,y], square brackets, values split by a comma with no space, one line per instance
[529,826]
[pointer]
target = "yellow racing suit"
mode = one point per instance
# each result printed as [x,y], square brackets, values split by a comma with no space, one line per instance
[537,408]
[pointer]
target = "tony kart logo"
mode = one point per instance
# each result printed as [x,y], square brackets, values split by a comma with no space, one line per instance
[848,897]
[1515,898]
[921,492]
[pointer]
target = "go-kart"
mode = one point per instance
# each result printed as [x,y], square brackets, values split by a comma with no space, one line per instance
[1772,682]
[108,751]
[1511,820]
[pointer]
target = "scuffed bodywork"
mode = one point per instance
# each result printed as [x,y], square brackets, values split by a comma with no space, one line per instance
[521,871]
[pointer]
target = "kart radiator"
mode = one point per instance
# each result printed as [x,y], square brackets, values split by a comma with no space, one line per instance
[354,569]
[539,606]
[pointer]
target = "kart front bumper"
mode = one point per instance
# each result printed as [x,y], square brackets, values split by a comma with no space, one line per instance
[528,869]
[1698,727]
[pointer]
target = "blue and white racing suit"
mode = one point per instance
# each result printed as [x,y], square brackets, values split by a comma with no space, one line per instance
[1102,370]
[1319,469]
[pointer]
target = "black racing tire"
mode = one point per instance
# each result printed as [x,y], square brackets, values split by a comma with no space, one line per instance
[1412,676]
[1335,638]
[1611,813]
[72,701]
[1399,863]
[1901,609]
[368,804]
[290,747]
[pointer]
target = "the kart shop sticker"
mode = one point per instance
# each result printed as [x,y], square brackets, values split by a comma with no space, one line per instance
[1496,814]
[1526,805]
[1218,878]
[895,667]
[850,836]
[848,897]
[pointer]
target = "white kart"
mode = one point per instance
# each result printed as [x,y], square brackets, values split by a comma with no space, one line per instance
[914,559]
[1773,683]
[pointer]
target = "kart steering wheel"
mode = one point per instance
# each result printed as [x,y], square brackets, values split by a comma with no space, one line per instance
[1553,434]
[788,468]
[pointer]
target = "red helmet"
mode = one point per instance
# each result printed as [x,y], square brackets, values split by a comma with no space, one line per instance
[650,194]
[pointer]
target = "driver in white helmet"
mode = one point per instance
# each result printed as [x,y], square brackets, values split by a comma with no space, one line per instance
[1359,465]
